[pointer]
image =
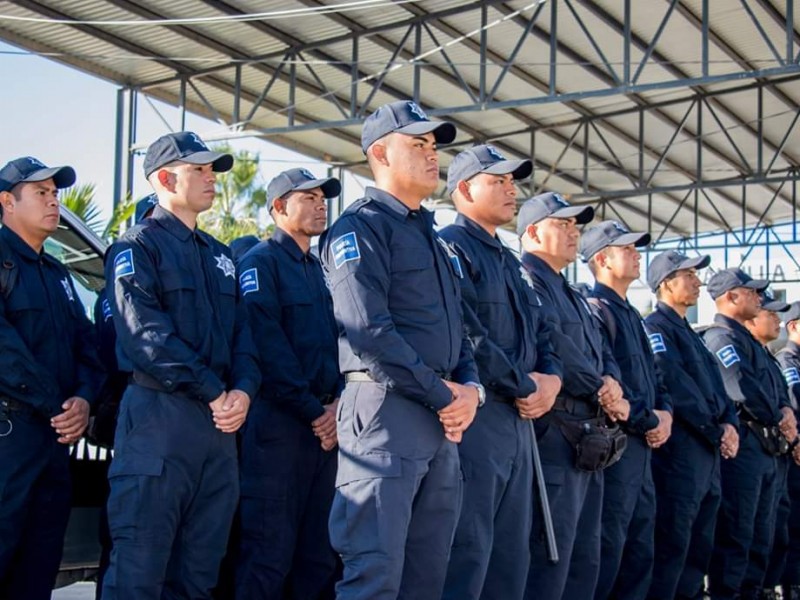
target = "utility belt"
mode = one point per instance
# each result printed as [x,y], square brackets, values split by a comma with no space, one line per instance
[365,377]
[8,406]
[769,436]
[598,444]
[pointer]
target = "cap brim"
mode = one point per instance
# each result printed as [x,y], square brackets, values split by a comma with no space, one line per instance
[219,162]
[520,169]
[63,177]
[330,186]
[582,214]
[443,131]
[637,239]
[758,285]
[698,262]
[776,306]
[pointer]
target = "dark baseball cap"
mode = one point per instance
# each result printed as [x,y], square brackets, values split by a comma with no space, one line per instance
[728,279]
[403,116]
[793,313]
[241,246]
[609,233]
[670,261]
[187,147]
[144,206]
[27,169]
[552,205]
[772,304]
[298,180]
[484,159]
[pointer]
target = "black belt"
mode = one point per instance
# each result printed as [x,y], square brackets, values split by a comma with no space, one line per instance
[11,405]
[575,407]
[365,377]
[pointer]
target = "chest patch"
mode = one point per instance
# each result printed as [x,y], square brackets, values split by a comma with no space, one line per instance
[68,289]
[225,264]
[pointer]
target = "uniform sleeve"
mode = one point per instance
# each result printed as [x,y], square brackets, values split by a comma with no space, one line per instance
[547,360]
[89,370]
[288,386]
[580,379]
[146,332]
[22,378]
[791,374]
[359,274]
[245,372]
[687,397]
[741,382]
[496,370]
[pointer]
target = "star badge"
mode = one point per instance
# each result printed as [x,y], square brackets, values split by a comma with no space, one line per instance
[225,265]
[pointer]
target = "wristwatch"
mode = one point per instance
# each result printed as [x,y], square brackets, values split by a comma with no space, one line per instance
[481,392]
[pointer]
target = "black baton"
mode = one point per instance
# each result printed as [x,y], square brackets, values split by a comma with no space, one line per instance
[547,517]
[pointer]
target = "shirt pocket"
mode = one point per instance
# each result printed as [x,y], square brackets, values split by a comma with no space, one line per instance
[179,297]
[414,281]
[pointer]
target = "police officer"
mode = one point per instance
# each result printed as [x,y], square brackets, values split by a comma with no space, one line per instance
[686,470]
[548,227]
[183,335]
[516,361]
[789,360]
[412,386]
[104,421]
[240,246]
[749,482]
[288,467]
[766,328]
[629,503]
[47,380]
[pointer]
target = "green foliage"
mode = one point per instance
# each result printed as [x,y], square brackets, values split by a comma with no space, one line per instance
[123,212]
[80,200]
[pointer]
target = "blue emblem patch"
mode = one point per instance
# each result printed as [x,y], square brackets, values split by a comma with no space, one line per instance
[345,249]
[106,306]
[248,281]
[456,266]
[657,343]
[791,376]
[123,264]
[728,356]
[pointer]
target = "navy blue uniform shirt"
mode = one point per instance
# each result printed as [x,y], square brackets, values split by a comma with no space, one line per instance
[641,384]
[173,293]
[690,372]
[789,361]
[502,312]
[576,336]
[777,381]
[744,366]
[291,316]
[397,299]
[47,340]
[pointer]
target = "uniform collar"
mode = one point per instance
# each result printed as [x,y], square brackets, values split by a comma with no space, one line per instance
[601,290]
[394,207]
[173,224]
[792,348]
[19,245]
[735,325]
[670,313]
[285,241]
[542,269]
[478,232]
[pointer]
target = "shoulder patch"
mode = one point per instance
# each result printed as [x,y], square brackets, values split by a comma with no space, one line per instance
[657,344]
[791,376]
[106,307]
[248,281]
[728,356]
[123,264]
[345,249]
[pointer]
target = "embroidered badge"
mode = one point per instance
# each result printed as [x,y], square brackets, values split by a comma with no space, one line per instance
[123,264]
[248,281]
[728,356]
[791,376]
[495,153]
[415,109]
[345,249]
[526,277]
[657,344]
[106,306]
[225,264]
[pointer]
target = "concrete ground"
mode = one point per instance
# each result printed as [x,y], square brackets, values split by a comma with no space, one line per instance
[76,591]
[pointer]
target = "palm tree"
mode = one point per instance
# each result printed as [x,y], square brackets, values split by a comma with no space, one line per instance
[239,199]
[80,200]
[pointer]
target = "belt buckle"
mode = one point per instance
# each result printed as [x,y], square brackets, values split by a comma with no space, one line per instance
[5,417]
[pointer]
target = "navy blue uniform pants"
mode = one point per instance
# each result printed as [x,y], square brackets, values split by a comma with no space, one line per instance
[628,525]
[35,496]
[287,485]
[490,555]
[576,502]
[791,573]
[174,489]
[397,499]
[780,540]
[743,538]
[686,472]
